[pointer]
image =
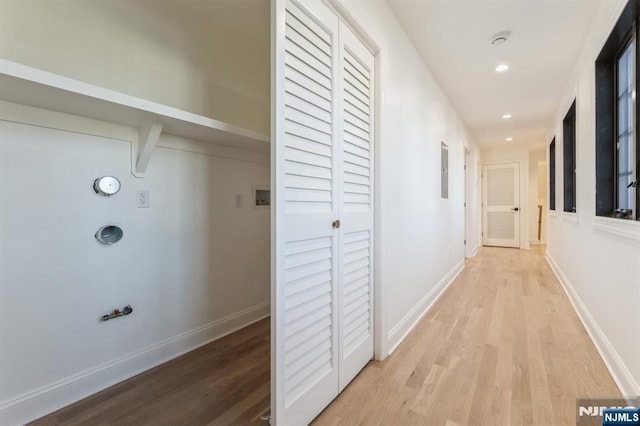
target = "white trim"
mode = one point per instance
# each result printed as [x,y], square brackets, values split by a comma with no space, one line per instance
[553,214]
[51,397]
[33,116]
[349,16]
[619,371]
[49,119]
[622,228]
[569,217]
[278,14]
[400,331]
[178,143]
[474,252]
[380,299]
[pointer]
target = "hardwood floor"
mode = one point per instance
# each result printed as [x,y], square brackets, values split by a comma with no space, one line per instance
[502,346]
[223,383]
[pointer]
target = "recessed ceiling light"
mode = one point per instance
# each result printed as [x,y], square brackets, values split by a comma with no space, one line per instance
[509,139]
[502,68]
[506,116]
[500,38]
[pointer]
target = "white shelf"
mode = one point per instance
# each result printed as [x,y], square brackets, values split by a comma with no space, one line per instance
[30,86]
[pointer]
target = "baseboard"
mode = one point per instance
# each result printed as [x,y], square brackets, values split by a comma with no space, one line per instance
[474,252]
[621,375]
[54,396]
[400,331]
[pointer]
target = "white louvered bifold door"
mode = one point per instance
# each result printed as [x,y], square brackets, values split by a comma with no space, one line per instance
[322,150]
[356,248]
[306,182]
[501,200]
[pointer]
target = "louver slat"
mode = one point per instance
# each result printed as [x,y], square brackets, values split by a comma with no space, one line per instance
[357,136]
[356,299]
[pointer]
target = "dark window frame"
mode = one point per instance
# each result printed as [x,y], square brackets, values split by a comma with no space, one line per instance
[625,31]
[552,174]
[569,160]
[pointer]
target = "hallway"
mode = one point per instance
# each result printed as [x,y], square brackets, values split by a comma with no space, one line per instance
[503,345]
[218,210]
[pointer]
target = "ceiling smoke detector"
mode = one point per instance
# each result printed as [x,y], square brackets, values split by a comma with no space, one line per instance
[500,38]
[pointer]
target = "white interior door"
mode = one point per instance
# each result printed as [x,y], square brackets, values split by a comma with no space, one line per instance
[356,233]
[501,202]
[322,284]
[306,183]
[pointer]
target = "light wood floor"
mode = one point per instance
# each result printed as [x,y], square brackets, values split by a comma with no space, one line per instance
[503,346]
[223,383]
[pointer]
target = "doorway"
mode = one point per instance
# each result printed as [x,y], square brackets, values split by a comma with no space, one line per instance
[323,215]
[469,242]
[501,202]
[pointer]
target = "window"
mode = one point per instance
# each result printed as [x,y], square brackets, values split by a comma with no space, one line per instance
[624,129]
[552,175]
[617,147]
[569,158]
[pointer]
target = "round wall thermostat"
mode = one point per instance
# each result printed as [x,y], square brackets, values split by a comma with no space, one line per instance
[109,234]
[106,185]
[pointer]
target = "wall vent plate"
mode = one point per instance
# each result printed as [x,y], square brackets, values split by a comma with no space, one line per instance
[109,234]
[106,185]
[261,196]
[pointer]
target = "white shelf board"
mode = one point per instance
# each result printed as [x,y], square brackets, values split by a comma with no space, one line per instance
[30,86]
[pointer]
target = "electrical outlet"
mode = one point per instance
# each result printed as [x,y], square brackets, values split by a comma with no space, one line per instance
[142,196]
[238,200]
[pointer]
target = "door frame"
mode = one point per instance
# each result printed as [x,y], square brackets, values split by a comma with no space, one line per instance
[468,250]
[524,197]
[356,24]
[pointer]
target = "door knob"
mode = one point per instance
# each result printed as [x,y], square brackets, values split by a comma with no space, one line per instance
[336,224]
[515,209]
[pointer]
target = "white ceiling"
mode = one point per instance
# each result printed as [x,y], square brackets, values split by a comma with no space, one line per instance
[453,37]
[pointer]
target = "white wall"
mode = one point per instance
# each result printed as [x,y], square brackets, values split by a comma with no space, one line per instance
[600,269]
[209,58]
[537,194]
[192,266]
[474,194]
[420,240]
[515,154]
